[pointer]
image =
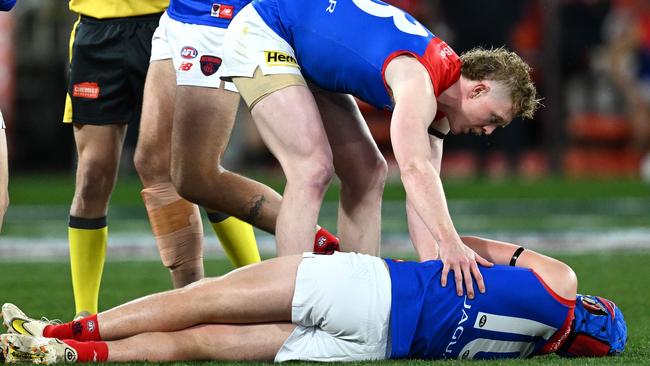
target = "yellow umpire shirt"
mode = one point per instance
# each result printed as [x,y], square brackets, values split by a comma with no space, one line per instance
[103,9]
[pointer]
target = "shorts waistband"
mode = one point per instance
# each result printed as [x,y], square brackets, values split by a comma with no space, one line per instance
[133,19]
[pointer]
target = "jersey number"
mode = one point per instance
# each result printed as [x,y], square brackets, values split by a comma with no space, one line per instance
[387,11]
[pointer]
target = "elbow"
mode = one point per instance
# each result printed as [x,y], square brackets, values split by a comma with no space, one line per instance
[569,283]
[4,203]
[410,170]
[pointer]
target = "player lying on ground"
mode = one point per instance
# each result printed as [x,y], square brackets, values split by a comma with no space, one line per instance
[340,307]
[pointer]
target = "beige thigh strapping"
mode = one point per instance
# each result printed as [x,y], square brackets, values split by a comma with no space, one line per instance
[259,86]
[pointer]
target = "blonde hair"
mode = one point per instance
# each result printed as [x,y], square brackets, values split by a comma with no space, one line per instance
[507,67]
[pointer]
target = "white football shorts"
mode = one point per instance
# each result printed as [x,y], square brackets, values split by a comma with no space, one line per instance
[196,51]
[250,43]
[341,307]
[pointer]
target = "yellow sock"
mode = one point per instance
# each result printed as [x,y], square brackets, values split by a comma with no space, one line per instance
[236,237]
[87,239]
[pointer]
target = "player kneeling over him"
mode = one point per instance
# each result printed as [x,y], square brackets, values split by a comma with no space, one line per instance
[340,307]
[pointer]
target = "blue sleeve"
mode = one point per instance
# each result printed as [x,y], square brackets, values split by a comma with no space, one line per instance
[6,5]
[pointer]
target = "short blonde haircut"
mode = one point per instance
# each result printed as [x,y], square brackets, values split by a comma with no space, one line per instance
[507,67]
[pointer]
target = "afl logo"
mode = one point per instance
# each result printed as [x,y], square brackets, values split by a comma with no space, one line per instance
[482,321]
[189,52]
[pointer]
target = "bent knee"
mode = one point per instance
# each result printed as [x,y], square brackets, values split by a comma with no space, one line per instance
[315,176]
[368,176]
[95,181]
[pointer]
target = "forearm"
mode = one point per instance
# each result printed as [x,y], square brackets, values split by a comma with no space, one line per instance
[495,251]
[425,193]
[4,177]
[556,274]
[424,243]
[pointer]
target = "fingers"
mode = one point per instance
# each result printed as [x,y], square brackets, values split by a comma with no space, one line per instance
[482,261]
[445,272]
[465,272]
[458,276]
[478,277]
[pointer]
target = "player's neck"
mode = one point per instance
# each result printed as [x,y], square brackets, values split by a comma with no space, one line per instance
[451,99]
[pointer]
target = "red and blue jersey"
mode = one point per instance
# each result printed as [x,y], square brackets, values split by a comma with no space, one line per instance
[517,316]
[214,13]
[345,45]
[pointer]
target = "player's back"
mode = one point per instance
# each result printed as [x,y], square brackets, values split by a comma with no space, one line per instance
[518,316]
[337,46]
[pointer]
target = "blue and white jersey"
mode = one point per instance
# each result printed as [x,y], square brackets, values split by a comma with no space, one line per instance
[217,13]
[517,316]
[345,45]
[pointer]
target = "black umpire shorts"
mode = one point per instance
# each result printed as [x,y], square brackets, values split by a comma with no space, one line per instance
[108,67]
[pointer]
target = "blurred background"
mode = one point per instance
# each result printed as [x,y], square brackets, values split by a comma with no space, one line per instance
[578,173]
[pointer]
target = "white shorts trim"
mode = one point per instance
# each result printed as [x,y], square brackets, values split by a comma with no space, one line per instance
[189,46]
[341,307]
[250,43]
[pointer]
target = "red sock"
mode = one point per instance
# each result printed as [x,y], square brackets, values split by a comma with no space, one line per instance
[86,329]
[89,351]
[325,242]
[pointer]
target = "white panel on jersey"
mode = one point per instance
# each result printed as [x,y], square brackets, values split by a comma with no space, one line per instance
[513,325]
[493,346]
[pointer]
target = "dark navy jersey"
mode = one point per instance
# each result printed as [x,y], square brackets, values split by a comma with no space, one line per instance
[345,45]
[217,13]
[517,316]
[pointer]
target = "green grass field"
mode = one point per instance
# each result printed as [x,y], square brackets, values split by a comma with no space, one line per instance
[39,207]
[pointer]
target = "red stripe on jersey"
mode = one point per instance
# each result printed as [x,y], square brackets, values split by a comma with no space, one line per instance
[568,302]
[561,335]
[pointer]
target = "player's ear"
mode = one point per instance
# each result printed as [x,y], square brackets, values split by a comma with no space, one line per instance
[479,89]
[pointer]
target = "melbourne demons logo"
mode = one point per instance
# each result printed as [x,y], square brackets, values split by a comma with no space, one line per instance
[210,64]
[189,52]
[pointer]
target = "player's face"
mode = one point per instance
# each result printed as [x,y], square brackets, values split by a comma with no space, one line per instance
[486,107]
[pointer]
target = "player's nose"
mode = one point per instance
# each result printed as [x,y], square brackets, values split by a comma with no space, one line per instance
[489,129]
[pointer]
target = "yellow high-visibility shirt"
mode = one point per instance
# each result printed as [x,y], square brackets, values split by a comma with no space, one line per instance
[102,9]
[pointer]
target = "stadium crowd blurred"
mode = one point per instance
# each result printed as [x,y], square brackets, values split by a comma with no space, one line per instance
[591,61]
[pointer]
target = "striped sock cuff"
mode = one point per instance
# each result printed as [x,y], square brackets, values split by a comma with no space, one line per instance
[217,217]
[88,224]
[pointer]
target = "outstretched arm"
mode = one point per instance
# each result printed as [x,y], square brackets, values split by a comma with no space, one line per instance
[415,108]
[4,174]
[556,274]
[425,244]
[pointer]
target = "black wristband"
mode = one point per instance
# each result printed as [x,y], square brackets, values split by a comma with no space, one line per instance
[513,260]
[433,132]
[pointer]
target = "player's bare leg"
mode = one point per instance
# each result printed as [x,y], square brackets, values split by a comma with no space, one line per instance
[232,298]
[290,124]
[254,342]
[361,169]
[203,121]
[175,222]
[99,149]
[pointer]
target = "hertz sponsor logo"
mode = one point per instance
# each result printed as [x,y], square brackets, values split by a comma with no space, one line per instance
[275,58]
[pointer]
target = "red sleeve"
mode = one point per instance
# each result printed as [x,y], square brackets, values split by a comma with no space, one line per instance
[442,63]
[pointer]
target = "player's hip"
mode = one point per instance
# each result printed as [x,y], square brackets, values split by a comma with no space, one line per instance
[341,305]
